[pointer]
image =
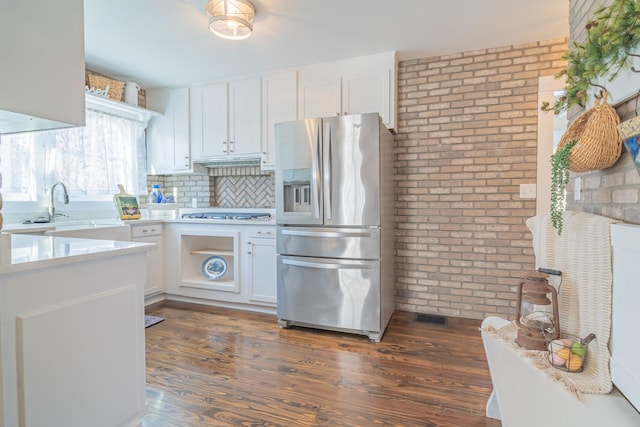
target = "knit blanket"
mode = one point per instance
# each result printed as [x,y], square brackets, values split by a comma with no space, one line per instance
[583,254]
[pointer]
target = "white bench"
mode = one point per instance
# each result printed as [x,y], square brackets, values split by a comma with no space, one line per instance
[524,396]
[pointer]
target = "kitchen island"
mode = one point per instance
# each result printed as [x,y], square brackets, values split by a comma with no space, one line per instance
[71,331]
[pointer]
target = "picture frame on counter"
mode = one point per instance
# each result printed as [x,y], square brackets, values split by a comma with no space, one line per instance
[127,207]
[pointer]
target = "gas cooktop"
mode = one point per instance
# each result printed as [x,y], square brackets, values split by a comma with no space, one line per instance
[260,216]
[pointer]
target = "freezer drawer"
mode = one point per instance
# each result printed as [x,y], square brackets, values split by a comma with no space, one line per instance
[356,243]
[329,293]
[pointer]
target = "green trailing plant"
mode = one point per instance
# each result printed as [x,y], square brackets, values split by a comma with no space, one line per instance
[611,39]
[559,181]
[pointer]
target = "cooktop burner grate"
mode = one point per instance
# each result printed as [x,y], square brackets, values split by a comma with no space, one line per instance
[228,215]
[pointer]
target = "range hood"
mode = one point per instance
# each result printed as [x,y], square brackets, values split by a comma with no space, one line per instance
[239,161]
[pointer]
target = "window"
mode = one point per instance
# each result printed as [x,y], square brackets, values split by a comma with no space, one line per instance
[90,160]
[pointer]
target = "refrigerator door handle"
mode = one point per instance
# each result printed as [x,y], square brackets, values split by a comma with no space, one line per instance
[315,169]
[327,266]
[326,233]
[326,173]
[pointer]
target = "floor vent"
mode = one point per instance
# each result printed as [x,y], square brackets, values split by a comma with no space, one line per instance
[431,318]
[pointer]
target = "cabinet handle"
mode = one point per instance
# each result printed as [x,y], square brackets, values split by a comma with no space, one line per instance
[345,114]
[231,150]
[186,161]
[338,113]
[249,248]
[225,146]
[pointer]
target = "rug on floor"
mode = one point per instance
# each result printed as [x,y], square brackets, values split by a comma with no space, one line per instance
[151,320]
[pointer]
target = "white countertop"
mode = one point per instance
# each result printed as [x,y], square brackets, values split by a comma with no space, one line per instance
[69,225]
[20,252]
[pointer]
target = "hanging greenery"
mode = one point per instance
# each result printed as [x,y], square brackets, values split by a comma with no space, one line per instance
[612,37]
[559,181]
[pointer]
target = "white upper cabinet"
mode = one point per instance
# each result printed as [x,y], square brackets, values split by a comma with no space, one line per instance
[226,119]
[320,91]
[244,116]
[210,110]
[42,68]
[360,85]
[279,104]
[168,136]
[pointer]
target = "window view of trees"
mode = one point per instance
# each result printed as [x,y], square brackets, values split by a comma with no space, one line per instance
[90,160]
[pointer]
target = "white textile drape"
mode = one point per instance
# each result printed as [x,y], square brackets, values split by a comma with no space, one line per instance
[90,160]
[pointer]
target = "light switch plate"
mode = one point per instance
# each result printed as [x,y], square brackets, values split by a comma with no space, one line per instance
[577,188]
[527,191]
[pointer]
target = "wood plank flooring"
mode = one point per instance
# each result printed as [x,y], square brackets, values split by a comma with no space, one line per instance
[209,366]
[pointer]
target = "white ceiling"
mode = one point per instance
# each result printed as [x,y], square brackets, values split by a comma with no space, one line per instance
[167,42]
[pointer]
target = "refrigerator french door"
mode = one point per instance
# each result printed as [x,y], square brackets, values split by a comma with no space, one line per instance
[327,171]
[331,183]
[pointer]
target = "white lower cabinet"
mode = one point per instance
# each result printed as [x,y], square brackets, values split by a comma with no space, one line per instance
[231,265]
[261,251]
[151,233]
[72,343]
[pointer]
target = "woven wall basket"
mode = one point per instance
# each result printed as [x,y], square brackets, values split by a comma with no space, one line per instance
[599,142]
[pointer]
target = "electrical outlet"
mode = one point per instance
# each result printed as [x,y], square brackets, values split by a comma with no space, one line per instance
[527,191]
[194,203]
[577,188]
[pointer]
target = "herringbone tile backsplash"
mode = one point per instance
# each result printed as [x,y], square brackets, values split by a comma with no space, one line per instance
[249,191]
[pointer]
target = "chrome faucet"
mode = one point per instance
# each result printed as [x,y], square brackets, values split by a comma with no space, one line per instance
[52,207]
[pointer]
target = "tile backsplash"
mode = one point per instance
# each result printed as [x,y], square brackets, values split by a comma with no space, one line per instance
[229,187]
[243,187]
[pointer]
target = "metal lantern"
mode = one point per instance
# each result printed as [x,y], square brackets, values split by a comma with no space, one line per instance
[537,316]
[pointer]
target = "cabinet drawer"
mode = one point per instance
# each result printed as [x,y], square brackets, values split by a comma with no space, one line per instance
[146,230]
[262,233]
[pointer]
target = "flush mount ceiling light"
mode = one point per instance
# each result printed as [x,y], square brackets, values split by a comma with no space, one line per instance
[231,19]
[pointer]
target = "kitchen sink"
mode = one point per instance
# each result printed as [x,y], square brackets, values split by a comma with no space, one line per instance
[91,229]
[110,229]
[88,223]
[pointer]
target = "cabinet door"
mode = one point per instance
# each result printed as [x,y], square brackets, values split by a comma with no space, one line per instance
[155,265]
[244,116]
[181,136]
[42,68]
[262,267]
[168,136]
[368,86]
[214,107]
[279,96]
[366,92]
[319,92]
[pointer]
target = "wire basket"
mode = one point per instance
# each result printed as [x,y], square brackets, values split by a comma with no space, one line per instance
[569,353]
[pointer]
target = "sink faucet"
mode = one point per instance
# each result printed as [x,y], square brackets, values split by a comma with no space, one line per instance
[52,207]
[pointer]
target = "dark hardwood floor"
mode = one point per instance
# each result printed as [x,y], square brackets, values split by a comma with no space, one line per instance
[209,366]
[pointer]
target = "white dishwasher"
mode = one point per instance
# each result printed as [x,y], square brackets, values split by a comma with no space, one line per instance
[151,233]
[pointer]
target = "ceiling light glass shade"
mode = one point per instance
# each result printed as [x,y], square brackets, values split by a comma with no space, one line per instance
[231,19]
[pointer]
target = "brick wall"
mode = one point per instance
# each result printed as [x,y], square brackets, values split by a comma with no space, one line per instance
[467,136]
[613,192]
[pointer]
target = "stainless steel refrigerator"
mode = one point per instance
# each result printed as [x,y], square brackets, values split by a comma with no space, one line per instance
[334,214]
